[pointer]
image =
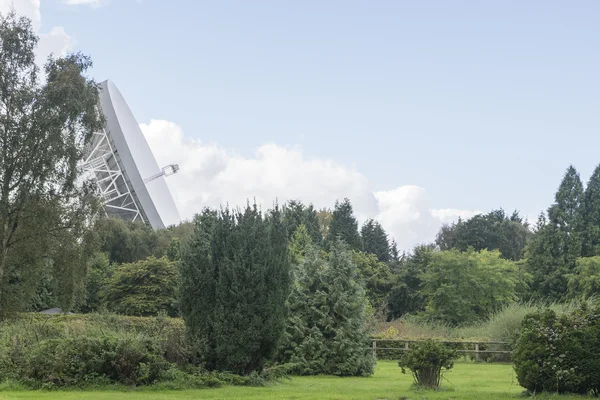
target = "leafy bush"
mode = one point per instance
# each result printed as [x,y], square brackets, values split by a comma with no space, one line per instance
[95,350]
[466,287]
[73,361]
[143,288]
[426,360]
[559,353]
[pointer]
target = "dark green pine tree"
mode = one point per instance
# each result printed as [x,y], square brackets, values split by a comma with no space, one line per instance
[326,331]
[237,287]
[406,294]
[198,274]
[313,226]
[344,226]
[394,253]
[590,216]
[375,240]
[295,214]
[556,245]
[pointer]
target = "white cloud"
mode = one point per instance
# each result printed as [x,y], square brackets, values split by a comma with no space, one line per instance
[56,42]
[212,176]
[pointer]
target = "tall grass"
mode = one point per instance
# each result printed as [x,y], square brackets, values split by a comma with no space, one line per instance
[503,325]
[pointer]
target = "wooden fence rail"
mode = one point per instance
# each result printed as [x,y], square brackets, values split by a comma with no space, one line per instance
[477,348]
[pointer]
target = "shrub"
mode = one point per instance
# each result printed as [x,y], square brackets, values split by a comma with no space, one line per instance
[143,288]
[74,361]
[559,353]
[426,360]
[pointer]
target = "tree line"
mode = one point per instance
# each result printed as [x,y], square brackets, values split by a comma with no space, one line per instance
[293,285]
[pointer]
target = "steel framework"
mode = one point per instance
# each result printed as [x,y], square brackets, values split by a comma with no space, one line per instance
[103,165]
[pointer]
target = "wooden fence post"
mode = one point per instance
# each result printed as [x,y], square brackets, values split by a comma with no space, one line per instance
[405,346]
[374,348]
[476,352]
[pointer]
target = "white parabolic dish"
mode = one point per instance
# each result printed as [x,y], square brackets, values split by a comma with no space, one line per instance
[136,159]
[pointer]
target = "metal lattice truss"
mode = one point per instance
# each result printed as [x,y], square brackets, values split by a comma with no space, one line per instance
[102,165]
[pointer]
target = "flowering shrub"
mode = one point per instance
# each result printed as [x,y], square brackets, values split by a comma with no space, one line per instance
[559,353]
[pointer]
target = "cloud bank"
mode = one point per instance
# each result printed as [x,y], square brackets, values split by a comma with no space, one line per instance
[212,176]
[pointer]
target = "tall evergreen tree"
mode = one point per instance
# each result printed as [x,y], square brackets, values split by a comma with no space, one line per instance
[556,245]
[242,260]
[326,330]
[406,294]
[301,242]
[198,278]
[295,214]
[375,240]
[344,225]
[590,216]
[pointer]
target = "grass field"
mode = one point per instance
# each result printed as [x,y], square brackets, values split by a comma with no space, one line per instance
[465,381]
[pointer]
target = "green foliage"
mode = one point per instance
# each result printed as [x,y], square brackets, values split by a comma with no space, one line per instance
[376,276]
[235,278]
[96,350]
[556,245]
[406,296]
[295,214]
[173,251]
[73,361]
[375,240]
[125,242]
[559,353]
[99,270]
[463,287]
[324,217]
[74,350]
[426,360]
[299,245]
[46,121]
[585,279]
[344,226]
[143,288]
[590,216]
[326,330]
[492,231]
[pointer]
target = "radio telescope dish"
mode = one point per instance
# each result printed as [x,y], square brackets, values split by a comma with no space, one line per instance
[126,174]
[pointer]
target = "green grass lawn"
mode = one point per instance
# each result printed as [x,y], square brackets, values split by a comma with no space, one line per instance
[465,381]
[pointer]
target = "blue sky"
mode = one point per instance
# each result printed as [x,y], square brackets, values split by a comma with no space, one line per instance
[480,104]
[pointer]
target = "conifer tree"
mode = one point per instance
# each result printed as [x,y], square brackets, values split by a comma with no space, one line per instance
[326,330]
[375,240]
[590,216]
[235,279]
[556,245]
[344,226]
[295,214]
[198,274]
[301,242]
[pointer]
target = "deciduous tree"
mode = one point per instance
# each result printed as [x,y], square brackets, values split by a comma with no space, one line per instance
[44,125]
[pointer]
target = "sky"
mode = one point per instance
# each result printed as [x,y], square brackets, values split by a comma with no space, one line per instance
[418,111]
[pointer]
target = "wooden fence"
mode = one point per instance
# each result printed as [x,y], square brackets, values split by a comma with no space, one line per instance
[480,350]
